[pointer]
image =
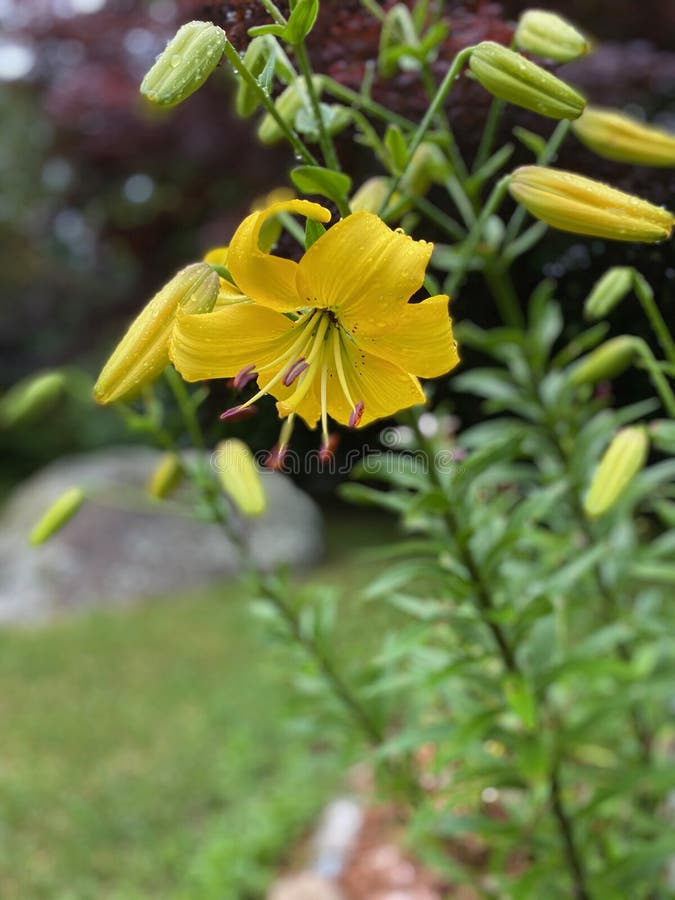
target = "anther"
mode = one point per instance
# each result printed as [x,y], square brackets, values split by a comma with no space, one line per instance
[295,370]
[276,456]
[328,448]
[243,377]
[237,413]
[357,414]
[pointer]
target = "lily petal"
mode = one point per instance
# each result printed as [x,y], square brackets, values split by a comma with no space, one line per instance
[381,386]
[361,268]
[418,339]
[267,279]
[220,344]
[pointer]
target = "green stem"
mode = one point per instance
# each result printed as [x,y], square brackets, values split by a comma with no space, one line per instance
[658,379]
[454,154]
[469,247]
[504,293]
[274,11]
[291,136]
[566,831]
[489,132]
[458,195]
[185,406]
[354,98]
[645,295]
[325,140]
[545,157]
[445,222]
[429,116]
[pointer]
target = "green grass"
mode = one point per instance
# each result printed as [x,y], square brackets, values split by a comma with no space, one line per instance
[145,753]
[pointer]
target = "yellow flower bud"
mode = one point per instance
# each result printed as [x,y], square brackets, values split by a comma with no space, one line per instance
[548,35]
[167,475]
[511,77]
[370,195]
[143,353]
[239,477]
[613,135]
[186,63]
[288,104]
[606,361]
[608,291]
[571,202]
[621,462]
[30,398]
[428,165]
[58,515]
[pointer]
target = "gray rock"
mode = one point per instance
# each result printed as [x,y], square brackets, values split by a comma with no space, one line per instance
[122,547]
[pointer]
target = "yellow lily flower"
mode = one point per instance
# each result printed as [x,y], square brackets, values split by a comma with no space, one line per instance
[332,335]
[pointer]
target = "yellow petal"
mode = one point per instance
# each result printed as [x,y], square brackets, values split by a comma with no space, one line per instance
[217,256]
[362,268]
[267,279]
[419,339]
[220,344]
[382,387]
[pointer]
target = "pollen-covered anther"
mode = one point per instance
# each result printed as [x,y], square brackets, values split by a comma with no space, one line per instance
[276,457]
[295,370]
[244,377]
[328,448]
[237,413]
[357,415]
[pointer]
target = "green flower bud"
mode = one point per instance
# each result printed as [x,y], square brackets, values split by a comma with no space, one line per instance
[511,77]
[288,104]
[606,361]
[186,63]
[608,292]
[58,515]
[613,135]
[29,399]
[662,432]
[239,477]
[427,166]
[167,475]
[549,36]
[143,353]
[623,459]
[370,195]
[574,203]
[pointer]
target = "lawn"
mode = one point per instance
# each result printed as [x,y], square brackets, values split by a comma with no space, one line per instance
[146,753]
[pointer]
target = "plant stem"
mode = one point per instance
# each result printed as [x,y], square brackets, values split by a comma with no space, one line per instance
[325,140]
[469,247]
[354,98]
[566,831]
[489,132]
[291,136]
[645,295]
[658,379]
[274,11]
[429,116]
[504,293]
[185,406]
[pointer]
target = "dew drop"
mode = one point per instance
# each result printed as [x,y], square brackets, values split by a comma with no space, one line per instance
[175,60]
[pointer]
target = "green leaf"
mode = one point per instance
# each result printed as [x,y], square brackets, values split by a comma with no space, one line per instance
[521,699]
[397,148]
[318,180]
[257,30]
[534,142]
[313,231]
[301,21]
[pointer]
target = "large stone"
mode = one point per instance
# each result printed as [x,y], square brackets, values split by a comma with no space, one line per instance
[122,547]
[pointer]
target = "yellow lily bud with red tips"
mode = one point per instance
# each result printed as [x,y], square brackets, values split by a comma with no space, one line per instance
[574,203]
[143,353]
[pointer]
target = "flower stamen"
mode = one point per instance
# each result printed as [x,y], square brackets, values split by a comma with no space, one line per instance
[244,377]
[295,370]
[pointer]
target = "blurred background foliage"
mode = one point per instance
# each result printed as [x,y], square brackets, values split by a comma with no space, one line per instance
[103,197]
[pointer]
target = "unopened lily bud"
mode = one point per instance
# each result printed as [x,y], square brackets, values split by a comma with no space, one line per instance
[167,476]
[186,63]
[549,36]
[662,433]
[427,166]
[239,477]
[511,77]
[608,292]
[571,202]
[58,515]
[143,353]
[606,361]
[29,399]
[371,195]
[613,135]
[288,105]
[623,459]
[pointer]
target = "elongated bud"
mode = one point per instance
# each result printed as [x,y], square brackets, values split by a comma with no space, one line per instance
[427,166]
[370,195]
[186,63]
[31,398]
[613,135]
[608,292]
[167,476]
[239,476]
[143,353]
[511,77]
[621,462]
[606,361]
[571,202]
[549,36]
[288,104]
[58,515]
